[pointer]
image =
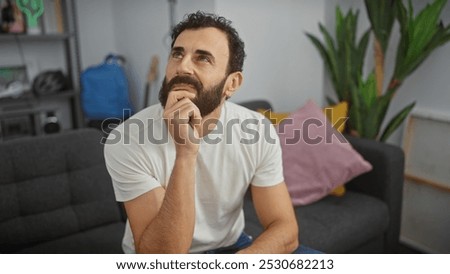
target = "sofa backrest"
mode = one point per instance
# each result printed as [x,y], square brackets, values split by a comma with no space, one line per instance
[53,186]
[256,105]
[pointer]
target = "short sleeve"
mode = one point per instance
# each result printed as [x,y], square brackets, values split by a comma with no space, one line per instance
[129,169]
[269,169]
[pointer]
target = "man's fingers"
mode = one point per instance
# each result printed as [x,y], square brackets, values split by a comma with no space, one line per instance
[184,112]
[176,96]
[181,106]
[178,105]
[196,118]
[183,117]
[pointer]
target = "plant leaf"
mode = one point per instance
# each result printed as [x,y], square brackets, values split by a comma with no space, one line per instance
[368,90]
[361,51]
[326,59]
[331,49]
[330,101]
[420,35]
[382,16]
[396,121]
[375,116]
[424,29]
[356,111]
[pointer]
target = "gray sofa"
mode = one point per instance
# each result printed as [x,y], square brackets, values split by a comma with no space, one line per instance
[366,219]
[56,197]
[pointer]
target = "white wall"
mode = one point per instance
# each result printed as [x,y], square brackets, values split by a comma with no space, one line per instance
[137,29]
[282,65]
[142,30]
[96,32]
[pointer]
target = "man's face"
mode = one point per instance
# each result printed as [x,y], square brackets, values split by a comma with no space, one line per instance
[198,63]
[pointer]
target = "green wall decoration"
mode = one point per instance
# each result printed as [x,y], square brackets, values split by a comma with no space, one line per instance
[33,9]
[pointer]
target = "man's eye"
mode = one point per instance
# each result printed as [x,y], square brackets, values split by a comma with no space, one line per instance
[204,58]
[177,55]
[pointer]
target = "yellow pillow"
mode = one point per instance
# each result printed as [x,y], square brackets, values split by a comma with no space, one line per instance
[274,117]
[334,115]
[338,191]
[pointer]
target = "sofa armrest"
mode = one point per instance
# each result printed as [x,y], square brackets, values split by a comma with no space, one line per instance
[384,181]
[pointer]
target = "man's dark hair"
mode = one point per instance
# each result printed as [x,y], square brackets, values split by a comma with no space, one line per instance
[204,20]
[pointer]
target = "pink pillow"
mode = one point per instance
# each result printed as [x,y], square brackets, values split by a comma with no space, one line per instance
[316,157]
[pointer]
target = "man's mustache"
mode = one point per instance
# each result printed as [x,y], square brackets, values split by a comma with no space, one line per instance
[183,79]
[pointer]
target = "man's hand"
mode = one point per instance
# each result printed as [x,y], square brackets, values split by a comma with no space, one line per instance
[183,120]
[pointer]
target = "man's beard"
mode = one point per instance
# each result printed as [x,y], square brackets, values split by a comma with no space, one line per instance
[207,100]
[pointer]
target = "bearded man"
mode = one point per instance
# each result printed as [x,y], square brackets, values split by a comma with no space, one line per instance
[185,194]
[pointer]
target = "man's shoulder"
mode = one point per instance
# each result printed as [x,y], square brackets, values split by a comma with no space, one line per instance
[235,110]
[152,112]
[145,116]
[140,124]
[249,121]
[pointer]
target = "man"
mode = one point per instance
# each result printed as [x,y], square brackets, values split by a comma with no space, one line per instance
[185,193]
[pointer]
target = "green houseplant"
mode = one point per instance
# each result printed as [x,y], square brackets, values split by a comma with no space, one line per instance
[344,56]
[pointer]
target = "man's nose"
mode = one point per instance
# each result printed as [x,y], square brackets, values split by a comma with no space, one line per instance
[185,66]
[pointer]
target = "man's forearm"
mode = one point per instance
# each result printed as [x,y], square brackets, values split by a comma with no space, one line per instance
[171,231]
[278,238]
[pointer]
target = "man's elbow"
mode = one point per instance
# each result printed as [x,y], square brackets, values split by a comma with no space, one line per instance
[292,242]
[292,245]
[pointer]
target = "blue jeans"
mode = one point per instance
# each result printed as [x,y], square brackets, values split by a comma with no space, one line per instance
[246,240]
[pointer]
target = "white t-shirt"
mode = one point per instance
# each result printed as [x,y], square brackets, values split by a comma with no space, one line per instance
[243,149]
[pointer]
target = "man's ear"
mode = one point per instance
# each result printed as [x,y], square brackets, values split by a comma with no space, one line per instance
[234,82]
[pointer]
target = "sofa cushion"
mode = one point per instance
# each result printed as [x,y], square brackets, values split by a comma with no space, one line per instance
[101,240]
[333,224]
[52,187]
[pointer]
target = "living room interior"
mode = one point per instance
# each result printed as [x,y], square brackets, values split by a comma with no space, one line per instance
[390,195]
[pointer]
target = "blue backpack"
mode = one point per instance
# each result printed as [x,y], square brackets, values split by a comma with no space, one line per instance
[104,90]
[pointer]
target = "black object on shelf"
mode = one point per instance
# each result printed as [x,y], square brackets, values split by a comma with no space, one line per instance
[18,126]
[51,124]
[49,82]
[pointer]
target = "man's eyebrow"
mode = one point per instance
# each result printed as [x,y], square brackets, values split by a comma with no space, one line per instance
[177,49]
[205,52]
[199,52]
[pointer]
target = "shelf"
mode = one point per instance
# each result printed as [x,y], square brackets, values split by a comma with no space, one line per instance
[27,111]
[30,97]
[33,37]
[29,103]
[60,94]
